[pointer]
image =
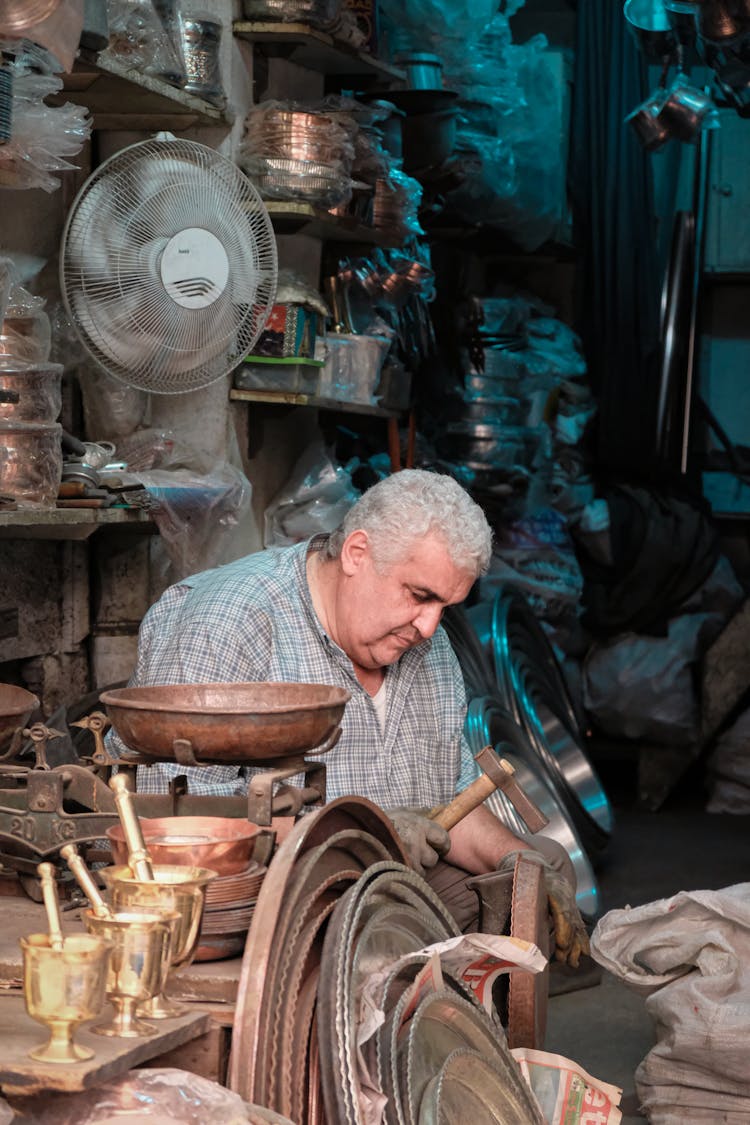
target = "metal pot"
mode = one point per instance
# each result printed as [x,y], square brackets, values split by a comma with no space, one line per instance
[650,25]
[685,111]
[720,19]
[38,387]
[199,40]
[429,138]
[423,71]
[20,15]
[30,463]
[651,132]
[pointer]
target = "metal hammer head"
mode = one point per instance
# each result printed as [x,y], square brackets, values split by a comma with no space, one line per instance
[497,769]
[502,775]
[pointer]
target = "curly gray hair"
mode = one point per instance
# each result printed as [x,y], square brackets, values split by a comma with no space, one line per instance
[409,505]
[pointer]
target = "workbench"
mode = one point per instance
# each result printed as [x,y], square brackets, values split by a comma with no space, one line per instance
[198,1041]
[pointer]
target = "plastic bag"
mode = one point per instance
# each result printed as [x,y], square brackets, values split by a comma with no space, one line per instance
[200,517]
[424,25]
[159,1096]
[25,332]
[139,39]
[642,687]
[315,499]
[111,409]
[43,137]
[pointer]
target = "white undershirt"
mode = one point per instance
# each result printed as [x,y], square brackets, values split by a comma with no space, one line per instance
[379,702]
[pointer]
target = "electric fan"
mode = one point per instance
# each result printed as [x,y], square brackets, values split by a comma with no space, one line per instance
[168,265]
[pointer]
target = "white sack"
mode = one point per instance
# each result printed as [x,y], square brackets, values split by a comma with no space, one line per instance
[689,955]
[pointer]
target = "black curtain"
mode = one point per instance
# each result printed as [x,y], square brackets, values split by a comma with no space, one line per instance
[619,277]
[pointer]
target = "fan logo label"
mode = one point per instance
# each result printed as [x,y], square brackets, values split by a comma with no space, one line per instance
[194,268]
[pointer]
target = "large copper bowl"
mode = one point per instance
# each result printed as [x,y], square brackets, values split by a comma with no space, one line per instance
[16,707]
[224,844]
[226,723]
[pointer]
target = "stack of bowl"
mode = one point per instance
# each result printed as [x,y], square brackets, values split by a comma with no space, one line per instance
[222,844]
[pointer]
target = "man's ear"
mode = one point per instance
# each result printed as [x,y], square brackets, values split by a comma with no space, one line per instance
[355,549]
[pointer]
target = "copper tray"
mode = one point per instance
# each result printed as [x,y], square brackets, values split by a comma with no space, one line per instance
[226,723]
[16,708]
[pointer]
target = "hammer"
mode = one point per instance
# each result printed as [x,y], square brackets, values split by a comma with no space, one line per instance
[498,773]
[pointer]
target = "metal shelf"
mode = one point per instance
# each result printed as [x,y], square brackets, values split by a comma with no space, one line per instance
[122,98]
[292,398]
[318,51]
[68,523]
[303,218]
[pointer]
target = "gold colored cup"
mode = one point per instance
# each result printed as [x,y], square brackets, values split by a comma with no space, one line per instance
[175,889]
[63,988]
[141,946]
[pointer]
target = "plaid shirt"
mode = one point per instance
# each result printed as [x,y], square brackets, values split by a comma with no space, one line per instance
[254,620]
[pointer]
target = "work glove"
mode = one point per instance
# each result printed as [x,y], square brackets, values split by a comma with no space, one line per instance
[424,841]
[571,939]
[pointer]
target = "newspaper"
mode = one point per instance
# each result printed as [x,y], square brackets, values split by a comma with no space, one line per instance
[477,959]
[567,1095]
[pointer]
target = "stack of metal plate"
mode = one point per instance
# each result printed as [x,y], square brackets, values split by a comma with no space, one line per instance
[386,917]
[230,904]
[274,1060]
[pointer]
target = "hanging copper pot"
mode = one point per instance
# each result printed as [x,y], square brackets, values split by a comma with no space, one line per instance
[20,15]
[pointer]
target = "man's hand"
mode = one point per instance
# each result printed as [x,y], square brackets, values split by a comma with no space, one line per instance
[571,939]
[424,841]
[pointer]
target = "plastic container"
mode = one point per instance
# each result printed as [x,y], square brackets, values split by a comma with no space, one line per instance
[30,463]
[352,368]
[260,374]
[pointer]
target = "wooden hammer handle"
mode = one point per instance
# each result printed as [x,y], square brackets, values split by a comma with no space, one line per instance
[471,797]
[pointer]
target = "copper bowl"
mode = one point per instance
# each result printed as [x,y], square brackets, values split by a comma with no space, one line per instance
[229,723]
[16,708]
[223,844]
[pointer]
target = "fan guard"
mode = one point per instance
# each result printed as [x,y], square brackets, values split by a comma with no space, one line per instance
[168,265]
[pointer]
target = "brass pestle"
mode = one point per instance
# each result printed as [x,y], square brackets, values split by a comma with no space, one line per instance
[46,873]
[85,880]
[139,860]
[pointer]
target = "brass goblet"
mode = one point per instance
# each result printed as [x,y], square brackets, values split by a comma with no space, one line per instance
[140,951]
[177,889]
[64,987]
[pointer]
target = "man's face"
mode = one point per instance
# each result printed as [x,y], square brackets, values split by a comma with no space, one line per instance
[381,614]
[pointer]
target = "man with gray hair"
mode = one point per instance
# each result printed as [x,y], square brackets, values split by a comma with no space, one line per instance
[361,609]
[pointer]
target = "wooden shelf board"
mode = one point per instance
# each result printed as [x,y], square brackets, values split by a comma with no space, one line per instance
[105,86]
[68,523]
[316,50]
[302,218]
[291,398]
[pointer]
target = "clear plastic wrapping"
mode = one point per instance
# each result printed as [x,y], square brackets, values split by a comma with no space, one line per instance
[25,332]
[38,387]
[44,137]
[424,25]
[299,152]
[111,409]
[30,463]
[139,39]
[199,515]
[159,1095]
[314,13]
